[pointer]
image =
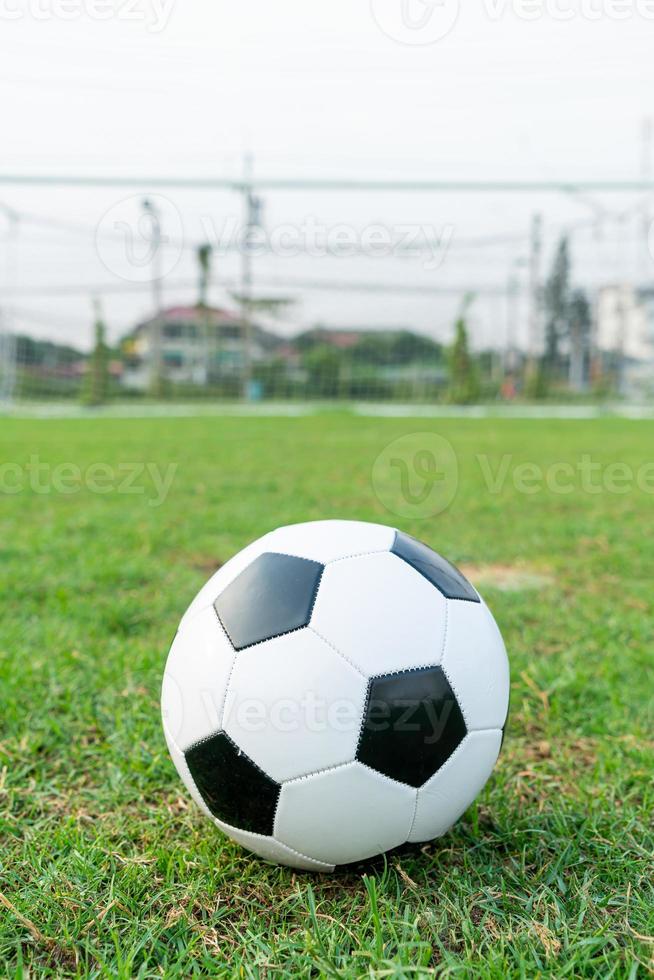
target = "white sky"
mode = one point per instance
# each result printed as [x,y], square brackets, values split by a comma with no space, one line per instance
[317,90]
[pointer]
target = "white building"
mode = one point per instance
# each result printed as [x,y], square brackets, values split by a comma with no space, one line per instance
[198,346]
[625,335]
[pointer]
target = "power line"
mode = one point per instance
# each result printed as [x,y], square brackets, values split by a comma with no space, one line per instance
[395,244]
[345,285]
[333,184]
[326,285]
[317,285]
[83,289]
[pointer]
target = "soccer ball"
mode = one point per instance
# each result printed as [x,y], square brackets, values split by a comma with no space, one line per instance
[335,690]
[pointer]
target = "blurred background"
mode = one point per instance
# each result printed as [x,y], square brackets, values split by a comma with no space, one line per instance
[400,201]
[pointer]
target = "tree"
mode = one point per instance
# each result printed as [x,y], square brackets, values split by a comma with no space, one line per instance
[96,380]
[580,322]
[557,306]
[206,358]
[323,366]
[464,381]
[408,347]
[204,254]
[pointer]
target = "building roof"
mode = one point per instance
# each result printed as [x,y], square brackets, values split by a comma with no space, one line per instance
[190,314]
[217,317]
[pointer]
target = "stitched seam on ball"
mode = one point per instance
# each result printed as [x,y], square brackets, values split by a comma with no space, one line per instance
[397,673]
[455,598]
[206,738]
[287,554]
[231,669]
[413,818]
[459,700]
[445,629]
[382,775]
[458,749]
[252,833]
[274,820]
[267,639]
[318,772]
[240,751]
[168,732]
[455,692]
[315,595]
[446,765]
[295,629]
[359,554]
[366,702]
[284,554]
[442,769]
[336,650]
[405,670]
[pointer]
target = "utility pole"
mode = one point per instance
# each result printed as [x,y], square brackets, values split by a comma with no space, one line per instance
[209,345]
[621,340]
[535,255]
[596,366]
[246,275]
[253,207]
[155,381]
[512,296]
[512,288]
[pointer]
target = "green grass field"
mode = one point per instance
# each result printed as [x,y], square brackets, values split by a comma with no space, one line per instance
[107,869]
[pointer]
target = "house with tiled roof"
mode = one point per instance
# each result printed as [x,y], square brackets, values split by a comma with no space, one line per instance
[199,345]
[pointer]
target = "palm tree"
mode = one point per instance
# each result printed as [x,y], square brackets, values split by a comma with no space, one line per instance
[204,256]
[96,380]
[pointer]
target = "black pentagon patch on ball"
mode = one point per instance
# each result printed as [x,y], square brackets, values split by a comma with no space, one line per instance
[412,725]
[436,569]
[272,596]
[232,786]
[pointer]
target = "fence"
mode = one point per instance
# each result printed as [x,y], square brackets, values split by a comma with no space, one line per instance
[196,294]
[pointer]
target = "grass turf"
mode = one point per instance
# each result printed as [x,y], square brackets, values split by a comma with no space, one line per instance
[106,869]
